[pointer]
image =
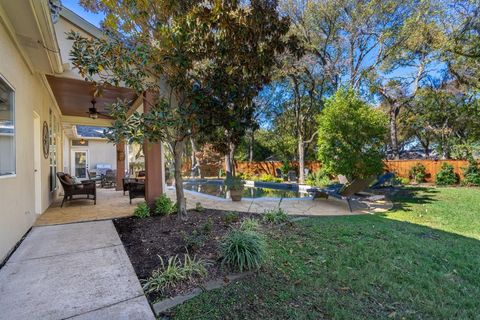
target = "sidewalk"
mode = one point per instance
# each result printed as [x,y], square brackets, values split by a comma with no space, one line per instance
[72,271]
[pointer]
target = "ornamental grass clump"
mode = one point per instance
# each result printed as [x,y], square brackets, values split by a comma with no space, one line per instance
[275,216]
[249,224]
[242,250]
[174,272]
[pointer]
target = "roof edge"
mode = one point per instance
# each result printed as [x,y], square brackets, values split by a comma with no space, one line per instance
[81,22]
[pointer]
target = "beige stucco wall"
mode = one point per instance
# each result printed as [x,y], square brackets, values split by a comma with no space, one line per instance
[17,199]
[99,151]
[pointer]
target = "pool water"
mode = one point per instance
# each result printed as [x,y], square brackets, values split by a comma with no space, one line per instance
[220,190]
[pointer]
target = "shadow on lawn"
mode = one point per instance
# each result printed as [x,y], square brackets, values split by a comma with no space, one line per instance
[408,196]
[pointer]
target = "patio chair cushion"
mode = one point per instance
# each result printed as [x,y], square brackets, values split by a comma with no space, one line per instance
[68,178]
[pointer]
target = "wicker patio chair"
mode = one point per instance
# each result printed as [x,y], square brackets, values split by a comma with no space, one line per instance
[70,189]
[136,189]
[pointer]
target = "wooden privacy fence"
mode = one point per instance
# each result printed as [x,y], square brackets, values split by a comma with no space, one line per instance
[400,167]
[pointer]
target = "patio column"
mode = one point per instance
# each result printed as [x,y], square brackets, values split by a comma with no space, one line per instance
[153,160]
[120,165]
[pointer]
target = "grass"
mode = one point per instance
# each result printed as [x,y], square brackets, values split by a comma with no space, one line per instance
[420,261]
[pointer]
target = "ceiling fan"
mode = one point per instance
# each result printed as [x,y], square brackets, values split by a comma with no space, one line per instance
[93,113]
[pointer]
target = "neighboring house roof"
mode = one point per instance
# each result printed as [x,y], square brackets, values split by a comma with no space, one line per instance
[80,22]
[90,132]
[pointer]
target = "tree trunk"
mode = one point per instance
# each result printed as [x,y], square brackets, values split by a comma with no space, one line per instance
[393,132]
[301,160]
[195,171]
[229,162]
[250,147]
[181,204]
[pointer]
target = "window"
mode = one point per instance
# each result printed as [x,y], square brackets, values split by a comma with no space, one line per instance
[53,151]
[7,130]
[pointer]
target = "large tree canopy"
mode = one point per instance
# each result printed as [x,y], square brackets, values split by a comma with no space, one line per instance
[203,60]
[351,136]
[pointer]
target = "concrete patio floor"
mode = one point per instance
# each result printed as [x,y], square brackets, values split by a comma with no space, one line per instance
[74,271]
[110,204]
[113,204]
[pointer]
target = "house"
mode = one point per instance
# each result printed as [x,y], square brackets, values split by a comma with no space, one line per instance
[43,103]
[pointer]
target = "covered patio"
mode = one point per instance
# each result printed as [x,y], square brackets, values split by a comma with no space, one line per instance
[84,104]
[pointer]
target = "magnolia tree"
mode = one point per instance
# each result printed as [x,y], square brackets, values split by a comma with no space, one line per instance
[199,60]
[351,136]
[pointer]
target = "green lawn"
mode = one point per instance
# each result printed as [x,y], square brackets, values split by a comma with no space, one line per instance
[420,261]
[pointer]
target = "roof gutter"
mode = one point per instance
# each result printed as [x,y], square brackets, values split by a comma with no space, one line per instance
[41,11]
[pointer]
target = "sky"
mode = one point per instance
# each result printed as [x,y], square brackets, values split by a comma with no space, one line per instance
[78,9]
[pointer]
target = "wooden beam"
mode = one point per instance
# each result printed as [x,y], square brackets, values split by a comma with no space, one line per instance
[120,165]
[153,162]
[85,121]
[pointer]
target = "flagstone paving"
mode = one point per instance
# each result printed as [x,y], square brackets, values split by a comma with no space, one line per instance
[73,271]
[113,204]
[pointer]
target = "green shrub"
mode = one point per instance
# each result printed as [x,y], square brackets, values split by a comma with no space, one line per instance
[231,217]
[199,207]
[234,183]
[471,174]
[319,178]
[446,175]
[268,178]
[173,273]
[249,224]
[244,176]
[404,181]
[207,227]
[142,211]
[194,240]
[163,205]
[242,250]
[275,216]
[418,173]
[351,136]
[286,166]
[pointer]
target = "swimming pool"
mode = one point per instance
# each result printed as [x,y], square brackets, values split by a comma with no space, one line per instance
[251,190]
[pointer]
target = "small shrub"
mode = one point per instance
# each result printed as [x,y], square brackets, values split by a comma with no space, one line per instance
[163,205]
[199,207]
[268,178]
[275,216]
[234,183]
[207,227]
[249,224]
[173,273]
[446,175]
[404,181]
[242,250]
[231,217]
[193,241]
[418,173]
[142,211]
[471,174]
[319,178]
[244,176]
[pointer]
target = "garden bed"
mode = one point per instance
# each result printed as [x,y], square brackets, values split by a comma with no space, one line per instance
[147,239]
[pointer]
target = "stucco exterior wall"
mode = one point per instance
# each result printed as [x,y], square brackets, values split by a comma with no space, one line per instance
[17,196]
[99,151]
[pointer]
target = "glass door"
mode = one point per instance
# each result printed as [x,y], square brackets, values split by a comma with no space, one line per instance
[80,163]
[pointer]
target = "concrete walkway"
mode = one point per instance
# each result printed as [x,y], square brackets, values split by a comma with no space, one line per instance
[73,271]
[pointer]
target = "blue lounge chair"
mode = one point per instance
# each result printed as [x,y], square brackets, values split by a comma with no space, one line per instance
[342,191]
[382,180]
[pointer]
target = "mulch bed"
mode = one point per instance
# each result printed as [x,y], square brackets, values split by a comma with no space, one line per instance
[147,239]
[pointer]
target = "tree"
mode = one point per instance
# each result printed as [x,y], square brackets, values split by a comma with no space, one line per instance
[190,55]
[350,136]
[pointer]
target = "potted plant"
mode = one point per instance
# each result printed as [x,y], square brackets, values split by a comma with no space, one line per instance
[235,188]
